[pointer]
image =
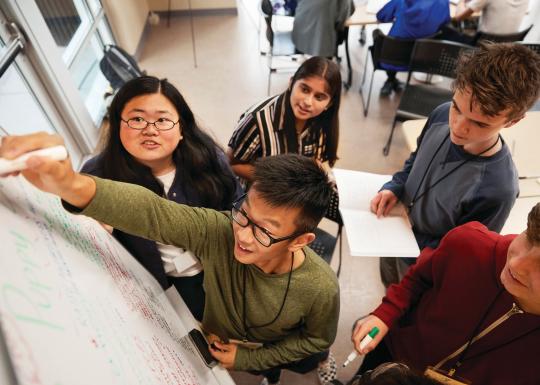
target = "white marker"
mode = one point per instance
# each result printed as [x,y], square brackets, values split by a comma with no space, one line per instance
[19,163]
[365,342]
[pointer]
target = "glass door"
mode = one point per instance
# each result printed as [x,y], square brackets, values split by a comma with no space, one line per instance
[20,112]
[63,47]
[80,31]
[24,105]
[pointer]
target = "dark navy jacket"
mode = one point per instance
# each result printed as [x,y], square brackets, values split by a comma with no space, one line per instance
[144,250]
[481,189]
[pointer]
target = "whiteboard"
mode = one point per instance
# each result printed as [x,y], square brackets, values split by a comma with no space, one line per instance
[76,308]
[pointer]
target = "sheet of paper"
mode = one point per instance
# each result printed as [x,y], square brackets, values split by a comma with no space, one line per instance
[385,237]
[368,235]
[357,188]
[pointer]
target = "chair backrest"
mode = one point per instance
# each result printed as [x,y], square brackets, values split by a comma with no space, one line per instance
[437,57]
[518,36]
[390,50]
[332,212]
[267,10]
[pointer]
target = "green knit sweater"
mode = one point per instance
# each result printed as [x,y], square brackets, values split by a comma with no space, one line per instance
[308,322]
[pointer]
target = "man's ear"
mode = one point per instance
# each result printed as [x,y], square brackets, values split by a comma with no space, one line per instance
[300,241]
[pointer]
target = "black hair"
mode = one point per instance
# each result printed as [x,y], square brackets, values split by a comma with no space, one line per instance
[294,181]
[196,156]
[392,373]
[328,119]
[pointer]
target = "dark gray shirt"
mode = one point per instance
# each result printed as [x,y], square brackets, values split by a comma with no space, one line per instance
[316,23]
[483,189]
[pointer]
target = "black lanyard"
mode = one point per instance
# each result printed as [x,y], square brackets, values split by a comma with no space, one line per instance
[476,330]
[244,305]
[515,310]
[417,196]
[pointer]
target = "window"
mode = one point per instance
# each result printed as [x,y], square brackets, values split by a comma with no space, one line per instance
[20,113]
[80,30]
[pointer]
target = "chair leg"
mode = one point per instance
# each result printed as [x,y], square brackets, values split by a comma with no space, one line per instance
[365,69]
[364,104]
[348,56]
[340,235]
[366,107]
[386,148]
[270,70]
[362,39]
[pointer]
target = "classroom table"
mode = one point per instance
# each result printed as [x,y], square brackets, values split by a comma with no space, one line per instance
[361,18]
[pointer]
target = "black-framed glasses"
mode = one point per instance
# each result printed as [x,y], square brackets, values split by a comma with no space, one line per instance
[261,234]
[162,124]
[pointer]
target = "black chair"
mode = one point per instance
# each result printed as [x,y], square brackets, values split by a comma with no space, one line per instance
[534,46]
[433,57]
[508,38]
[280,42]
[325,243]
[387,50]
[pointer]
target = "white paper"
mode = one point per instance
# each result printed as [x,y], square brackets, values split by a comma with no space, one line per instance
[369,236]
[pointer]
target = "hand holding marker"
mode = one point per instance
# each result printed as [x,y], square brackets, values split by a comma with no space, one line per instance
[365,342]
[19,163]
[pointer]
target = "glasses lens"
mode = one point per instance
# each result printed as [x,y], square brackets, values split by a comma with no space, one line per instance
[137,123]
[239,217]
[261,236]
[164,124]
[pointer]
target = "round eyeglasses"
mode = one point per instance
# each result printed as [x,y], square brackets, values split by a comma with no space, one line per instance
[261,234]
[162,124]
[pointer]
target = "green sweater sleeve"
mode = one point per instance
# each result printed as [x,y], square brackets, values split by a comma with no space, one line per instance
[317,335]
[138,211]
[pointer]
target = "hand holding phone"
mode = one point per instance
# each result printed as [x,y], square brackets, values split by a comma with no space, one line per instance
[201,344]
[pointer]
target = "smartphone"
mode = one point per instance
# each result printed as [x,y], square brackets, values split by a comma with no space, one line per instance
[201,344]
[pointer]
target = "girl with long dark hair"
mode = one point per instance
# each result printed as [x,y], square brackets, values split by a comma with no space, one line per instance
[303,119]
[155,142]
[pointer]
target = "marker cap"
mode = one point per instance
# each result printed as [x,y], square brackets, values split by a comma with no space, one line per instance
[373,332]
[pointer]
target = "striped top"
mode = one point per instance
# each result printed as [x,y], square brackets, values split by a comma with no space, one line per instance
[262,131]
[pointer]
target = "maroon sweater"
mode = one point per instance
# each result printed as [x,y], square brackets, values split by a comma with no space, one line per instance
[443,297]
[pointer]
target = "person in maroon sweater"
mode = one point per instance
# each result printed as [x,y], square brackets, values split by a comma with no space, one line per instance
[469,308]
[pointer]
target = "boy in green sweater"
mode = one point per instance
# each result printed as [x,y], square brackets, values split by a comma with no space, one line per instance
[271,300]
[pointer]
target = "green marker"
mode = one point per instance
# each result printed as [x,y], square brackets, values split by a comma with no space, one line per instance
[365,342]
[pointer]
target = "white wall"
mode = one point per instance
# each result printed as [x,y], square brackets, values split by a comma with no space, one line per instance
[161,5]
[533,18]
[127,19]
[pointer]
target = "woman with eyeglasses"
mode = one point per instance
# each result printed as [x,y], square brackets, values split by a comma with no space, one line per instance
[154,141]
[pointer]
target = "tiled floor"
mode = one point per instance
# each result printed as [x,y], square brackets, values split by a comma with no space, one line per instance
[230,76]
